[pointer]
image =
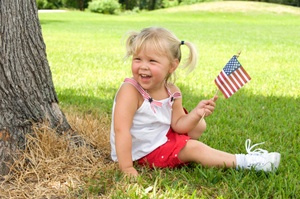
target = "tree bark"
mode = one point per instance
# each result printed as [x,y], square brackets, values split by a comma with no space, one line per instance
[27,93]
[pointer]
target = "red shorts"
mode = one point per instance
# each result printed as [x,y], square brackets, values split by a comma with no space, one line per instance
[167,154]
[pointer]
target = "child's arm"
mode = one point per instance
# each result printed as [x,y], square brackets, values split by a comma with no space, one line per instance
[185,123]
[127,102]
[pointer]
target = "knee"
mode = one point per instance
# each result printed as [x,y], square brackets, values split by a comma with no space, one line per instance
[192,145]
[197,131]
[195,135]
[190,151]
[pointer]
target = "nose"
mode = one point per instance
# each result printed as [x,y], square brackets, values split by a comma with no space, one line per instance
[144,66]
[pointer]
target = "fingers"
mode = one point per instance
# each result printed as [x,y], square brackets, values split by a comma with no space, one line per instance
[215,98]
[131,171]
[132,178]
[212,101]
[208,110]
[208,106]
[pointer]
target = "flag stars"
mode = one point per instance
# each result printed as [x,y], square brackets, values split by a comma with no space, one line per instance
[232,65]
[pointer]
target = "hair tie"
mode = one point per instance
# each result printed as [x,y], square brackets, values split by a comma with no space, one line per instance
[182,43]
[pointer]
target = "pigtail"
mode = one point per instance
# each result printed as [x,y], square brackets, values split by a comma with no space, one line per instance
[191,61]
[129,43]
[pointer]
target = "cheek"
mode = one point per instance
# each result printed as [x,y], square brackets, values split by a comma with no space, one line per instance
[134,68]
[158,72]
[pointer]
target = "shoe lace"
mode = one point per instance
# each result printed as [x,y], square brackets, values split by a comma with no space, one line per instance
[257,151]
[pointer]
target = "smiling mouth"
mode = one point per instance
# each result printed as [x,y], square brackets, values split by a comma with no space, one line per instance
[145,76]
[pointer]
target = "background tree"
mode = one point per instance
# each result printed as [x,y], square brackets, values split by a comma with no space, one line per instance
[27,93]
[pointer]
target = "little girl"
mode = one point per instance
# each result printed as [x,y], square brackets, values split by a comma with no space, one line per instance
[150,125]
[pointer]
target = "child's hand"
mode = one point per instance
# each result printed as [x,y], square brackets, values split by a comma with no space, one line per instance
[206,107]
[130,172]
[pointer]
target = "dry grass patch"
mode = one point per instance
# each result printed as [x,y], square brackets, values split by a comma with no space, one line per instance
[54,166]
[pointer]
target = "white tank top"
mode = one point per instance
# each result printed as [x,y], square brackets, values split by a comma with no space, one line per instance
[150,125]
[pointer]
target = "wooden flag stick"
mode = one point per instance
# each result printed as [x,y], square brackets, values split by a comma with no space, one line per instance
[202,117]
[217,91]
[238,54]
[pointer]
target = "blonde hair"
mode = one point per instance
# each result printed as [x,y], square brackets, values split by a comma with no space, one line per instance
[163,42]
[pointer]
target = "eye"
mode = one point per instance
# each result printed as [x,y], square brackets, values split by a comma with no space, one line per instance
[152,60]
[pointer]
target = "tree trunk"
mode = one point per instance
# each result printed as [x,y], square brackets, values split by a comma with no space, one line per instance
[27,93]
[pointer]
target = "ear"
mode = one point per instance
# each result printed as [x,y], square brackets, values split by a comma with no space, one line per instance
[174,66]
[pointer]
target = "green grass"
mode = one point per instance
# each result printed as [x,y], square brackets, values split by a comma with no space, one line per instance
[85,53]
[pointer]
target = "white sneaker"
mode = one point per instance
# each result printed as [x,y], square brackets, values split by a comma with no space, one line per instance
[260,159]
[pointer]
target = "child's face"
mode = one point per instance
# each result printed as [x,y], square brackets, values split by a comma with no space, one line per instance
[150,69]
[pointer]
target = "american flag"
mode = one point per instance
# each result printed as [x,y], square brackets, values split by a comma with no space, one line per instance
[232,77]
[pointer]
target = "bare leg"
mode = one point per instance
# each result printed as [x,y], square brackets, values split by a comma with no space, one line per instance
[196,151]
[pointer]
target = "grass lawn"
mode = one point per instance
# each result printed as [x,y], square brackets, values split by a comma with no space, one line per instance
[85,53]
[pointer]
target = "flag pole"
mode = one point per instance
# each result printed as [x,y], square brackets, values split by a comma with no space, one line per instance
[238,54]
[217,91]
[202,117]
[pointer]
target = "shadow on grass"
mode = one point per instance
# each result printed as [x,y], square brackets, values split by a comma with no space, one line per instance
[72,98]
[272,119]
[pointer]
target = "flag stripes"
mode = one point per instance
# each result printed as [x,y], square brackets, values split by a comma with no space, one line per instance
[232,78]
